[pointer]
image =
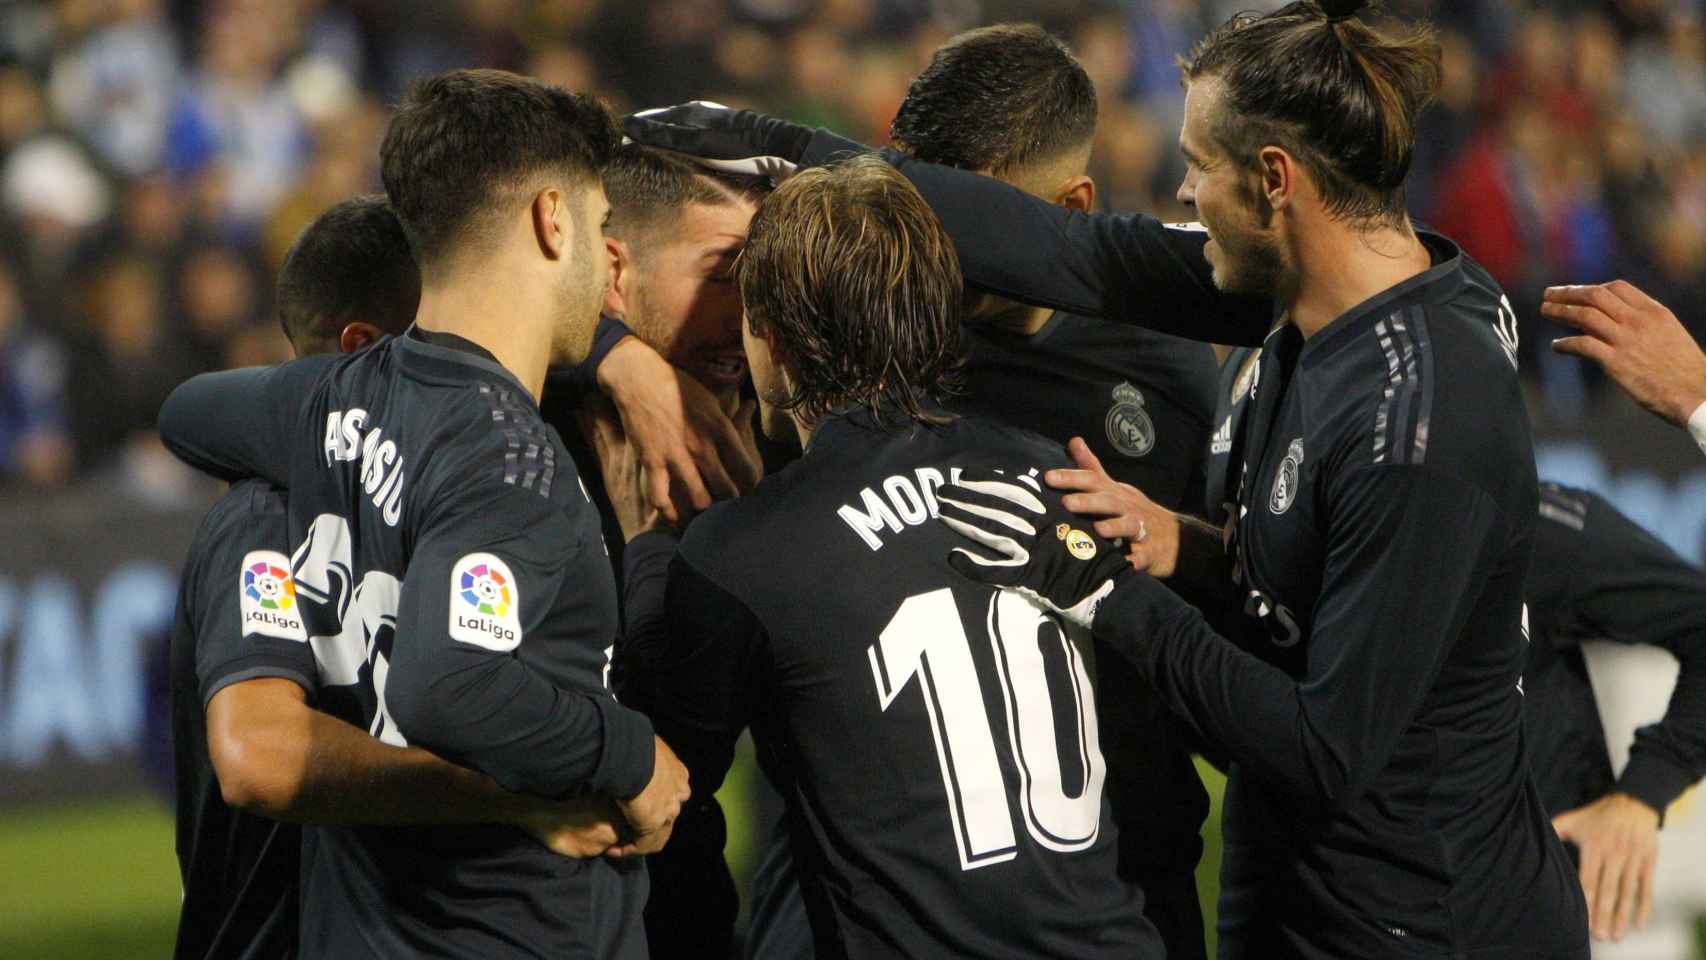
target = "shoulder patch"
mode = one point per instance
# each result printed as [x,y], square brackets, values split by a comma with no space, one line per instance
[267,597]
[485,603]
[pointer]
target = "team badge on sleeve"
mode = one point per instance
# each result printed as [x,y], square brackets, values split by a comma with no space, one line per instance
[267,597]
[485,603]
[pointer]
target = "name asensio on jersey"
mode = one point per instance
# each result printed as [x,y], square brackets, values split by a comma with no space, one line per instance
[381,471]
[900,501]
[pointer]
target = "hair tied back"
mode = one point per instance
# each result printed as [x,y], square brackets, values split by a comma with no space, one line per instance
[1338,10]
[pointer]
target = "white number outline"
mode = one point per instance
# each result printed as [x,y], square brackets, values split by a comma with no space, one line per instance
[927,639]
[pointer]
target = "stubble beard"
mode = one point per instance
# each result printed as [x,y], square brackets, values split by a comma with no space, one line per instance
[578,302]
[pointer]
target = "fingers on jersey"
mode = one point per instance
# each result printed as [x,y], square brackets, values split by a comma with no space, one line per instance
[994,511]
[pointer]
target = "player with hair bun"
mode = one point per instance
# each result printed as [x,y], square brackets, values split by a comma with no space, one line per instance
[1384,494]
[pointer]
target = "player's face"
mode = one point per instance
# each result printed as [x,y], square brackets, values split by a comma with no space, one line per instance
[1243,248]
[685,304]
[768,383]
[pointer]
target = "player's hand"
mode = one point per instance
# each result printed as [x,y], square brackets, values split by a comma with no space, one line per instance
[1027,540]
[740,141]
[689,449]
[651,814]
[579,828]
[1618,837]
[1637,340]
[625,480]
[1149,531]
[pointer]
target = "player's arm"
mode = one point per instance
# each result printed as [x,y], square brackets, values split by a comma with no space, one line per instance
[463,684]
[1187,552]
[1125,267]
[276,756]
[240,423]
[279,757]
[1636,590]
[1408,550]
[1630,588]
[689,448]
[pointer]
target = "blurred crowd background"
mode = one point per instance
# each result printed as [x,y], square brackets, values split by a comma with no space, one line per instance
[157,156]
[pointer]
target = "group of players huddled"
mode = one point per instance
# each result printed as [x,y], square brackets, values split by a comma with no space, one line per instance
[455,676]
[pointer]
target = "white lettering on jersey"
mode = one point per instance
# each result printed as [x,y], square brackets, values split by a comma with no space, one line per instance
[381,468]
[485,603]
[267,597]
[1506,329]
[905,500]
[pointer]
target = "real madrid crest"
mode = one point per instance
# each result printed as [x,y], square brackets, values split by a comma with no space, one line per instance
[1129,428]
[1285,480]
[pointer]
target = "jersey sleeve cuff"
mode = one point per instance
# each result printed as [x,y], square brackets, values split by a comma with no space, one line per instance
[1697,426]
[257,667]
[610,331]
[625,765]
[826,147]
[1653,781]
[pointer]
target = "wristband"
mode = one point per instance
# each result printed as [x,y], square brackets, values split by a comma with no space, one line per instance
[1697,426]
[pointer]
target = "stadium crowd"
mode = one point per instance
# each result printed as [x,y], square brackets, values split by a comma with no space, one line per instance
[157,156]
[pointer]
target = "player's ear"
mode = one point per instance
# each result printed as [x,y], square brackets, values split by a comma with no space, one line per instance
[357,335]
[553,226]
[1278,171]
[622,278]
[1077,193]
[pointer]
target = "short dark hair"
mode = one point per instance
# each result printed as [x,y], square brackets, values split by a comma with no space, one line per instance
[1340,96]
[465,144]
[996,98]
[352,263]
[857,286]
[648,187]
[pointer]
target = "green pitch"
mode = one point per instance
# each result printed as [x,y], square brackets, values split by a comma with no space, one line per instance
[101,879]
[94,880]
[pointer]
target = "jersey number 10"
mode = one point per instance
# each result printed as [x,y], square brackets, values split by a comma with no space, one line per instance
[927,640]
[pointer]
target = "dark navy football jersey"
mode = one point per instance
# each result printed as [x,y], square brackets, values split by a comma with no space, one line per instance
[1379,802]
[1379,799]
[1599,576]
[936,741]
[457,597]
[1141,400]
[238,619]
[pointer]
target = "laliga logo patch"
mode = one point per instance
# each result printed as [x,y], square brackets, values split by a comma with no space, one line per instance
[485,603]
[1285,479]
[267,597]
[1078,543]
[1128,425]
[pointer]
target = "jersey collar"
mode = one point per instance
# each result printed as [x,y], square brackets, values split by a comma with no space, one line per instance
[453,354]
[1433,285]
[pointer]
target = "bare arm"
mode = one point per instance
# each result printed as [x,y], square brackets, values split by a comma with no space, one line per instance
[278,757]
